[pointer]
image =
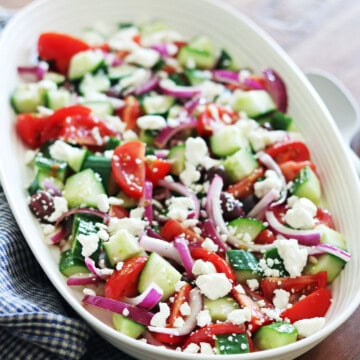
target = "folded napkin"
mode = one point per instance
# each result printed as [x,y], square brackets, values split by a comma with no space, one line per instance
[35,322]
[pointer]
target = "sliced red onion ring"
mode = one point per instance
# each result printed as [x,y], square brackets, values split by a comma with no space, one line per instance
[168,87]
[165,49]
[148,299]
[168,132]
[333,250]
[137,314]
[152,233]
[276,88]
[33,73]
[148,190]
[190,322]
[211,232]
[184,252]
[147,86]
[252,84]
[99,213]
[191,105]
[162,247]
[226,76]
[258,211]
[271,164]
[304,237]
[57,236]
[83,279]
[102,274]
[49,186]
[161,154]
[183,190]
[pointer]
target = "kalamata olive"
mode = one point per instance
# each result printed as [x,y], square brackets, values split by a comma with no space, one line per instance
[42,204]
[248,202]
[232,208]
[218,170]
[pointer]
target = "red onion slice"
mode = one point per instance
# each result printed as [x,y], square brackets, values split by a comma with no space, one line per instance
[252,84]
[148,190]
[211,232]
[184,252]
[102,274]
[99,213]
[147,86]
[82,279]
[190,322]
[137,314]
[148,299]
[258,211]
[50,187]
[304,237]
[33,73]
[57,236]
[191,105]
[168,87]
[333,250]
[276,88]
[226,76]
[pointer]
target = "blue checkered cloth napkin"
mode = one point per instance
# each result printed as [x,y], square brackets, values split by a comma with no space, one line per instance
[35,322]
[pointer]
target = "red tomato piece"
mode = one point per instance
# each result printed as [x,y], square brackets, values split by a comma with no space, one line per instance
[245,186]
[181,297]
[124,282]
[60,48]
[130,112]
[314,305]
[220,264]
[265,237]
[324,217]
[118,212]
[207,333]
[167,339]
[289,150]
[291,168]
[156,169]
[299,286]
[128,167]
[28,127]
[173,228]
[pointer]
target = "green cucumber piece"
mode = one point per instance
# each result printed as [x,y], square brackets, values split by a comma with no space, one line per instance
[38,180]
[117,73]
[278,262]
[121,246]
[94,83]
[157,104]
[27,97]
[225,61]
[177,157]
[57,99]
[244,264]
[232,344]
[246,227]
[127,326]
[227,141]
[275,335]
[253,102]
[240,164]
[56,78]
[148,137]
[161,272]
[82,189]
[306,184]
[70,265]
[100,108]
[220,308]
[85,62]
[53,168]
[100,165]
[197,77]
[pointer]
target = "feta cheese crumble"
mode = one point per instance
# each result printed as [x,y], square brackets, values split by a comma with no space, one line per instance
[159,319]
[239,316]
[180,207]
[301,213]
[281,299]
[214,286]
[307,327]
[203,318]
[201,267]
[271,181]
[151,122]
[89,244]
[60,207]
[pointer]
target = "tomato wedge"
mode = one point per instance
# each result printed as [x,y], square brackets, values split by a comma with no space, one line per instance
[289,150]
[124,282]
[167,339]
[181,297]
[324,217]
[207,333]
[299,286]
[60,48]
[314,305]
[130,112]
[156,169]
[265,237]
[28,127]
[173,228]
[128,167]
[291,168]
[220,264]
[118,211]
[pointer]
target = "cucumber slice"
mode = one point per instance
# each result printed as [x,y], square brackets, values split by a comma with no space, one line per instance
[232,344]
[94,83]
[27,97]
[196,77]
[100,165]
[244,264]
[38,180]
[77,159]
[306,184]
[50,167]
[127,326]
[121,246]
[246,227]
[240,164]
[225,61]
[177,158]
[116,73]
[162,273]
[56,78]
[148,137]
[253,102]
[275,335]
[82,189]
[85,62]
[70,265]
[278,262]
[227,141]
[220,308]
[57,99]
[100,108]
[157,104]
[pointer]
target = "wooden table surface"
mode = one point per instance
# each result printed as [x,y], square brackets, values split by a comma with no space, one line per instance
[318,34]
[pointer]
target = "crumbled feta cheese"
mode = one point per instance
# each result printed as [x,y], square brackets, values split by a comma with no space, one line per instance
[189,175]
[209,89]
[60,207]
[301,213]
[115,201]
[294,257]
[87,291]
[62,151]
[133,225]
[179,322]
[180,208]
[95,132]
[253,284]
[192,348]
[205,348]
[126,312]
[271,181]
[203,318]
[103,235]
[102,202]
[267,270]
[129,135]
[89,244]
[214,286]
[209,245]
[146,58]
[160,37]
[179,285]
[47,229]
[115,122]
[151,122]
[185,309]
[261,138]
[136,78]
[201,267]
[195,150]
[137,213]
[307,327]
[159,319]
[119,265]
[272,314]
[239,316]
[281,299]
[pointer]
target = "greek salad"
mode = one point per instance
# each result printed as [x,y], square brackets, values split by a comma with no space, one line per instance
[179,194]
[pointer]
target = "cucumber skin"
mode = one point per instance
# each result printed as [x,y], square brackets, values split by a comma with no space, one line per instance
[220,308]
[306,184]
[253,227]
[244,264]
[177,155]
[70,265]
[127,326]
